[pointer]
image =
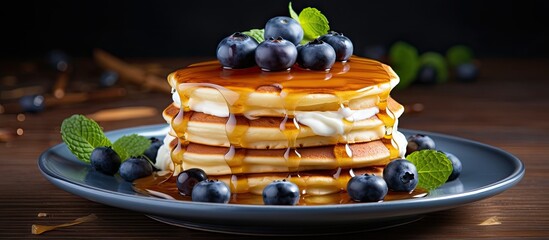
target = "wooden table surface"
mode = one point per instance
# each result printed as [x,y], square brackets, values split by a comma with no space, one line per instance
[508,108]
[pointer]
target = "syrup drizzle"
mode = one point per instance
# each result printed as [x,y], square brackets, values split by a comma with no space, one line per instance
[353,79]
[162,185]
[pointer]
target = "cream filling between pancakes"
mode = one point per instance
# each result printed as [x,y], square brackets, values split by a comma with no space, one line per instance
[322,123]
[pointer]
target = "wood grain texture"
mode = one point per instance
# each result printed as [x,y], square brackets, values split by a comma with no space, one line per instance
[507,108]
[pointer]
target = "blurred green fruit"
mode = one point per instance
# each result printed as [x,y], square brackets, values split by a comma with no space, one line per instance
[437,61]
[403,58]
[459,54]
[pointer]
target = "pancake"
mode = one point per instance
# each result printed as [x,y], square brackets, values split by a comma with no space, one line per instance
[266,132]
[247,127]
[206,87]
[309,182]
[223,160]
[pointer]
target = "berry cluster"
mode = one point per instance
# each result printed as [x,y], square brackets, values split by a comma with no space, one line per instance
[399,175]
[423,142]
[281,48]
[107,161]
[195,183]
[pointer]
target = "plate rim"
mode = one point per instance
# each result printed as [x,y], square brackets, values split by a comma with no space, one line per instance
[462,198]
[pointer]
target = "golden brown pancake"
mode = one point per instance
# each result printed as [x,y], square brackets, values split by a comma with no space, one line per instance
[247,127]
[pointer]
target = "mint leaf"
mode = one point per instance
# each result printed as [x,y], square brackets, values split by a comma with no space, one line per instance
[82,135]
[131,145]
[314,23]
[433,168]
[257,34]
[292,12]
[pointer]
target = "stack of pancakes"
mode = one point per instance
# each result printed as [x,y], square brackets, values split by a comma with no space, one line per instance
[248,128]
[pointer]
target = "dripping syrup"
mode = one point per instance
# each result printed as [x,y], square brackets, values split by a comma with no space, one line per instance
[163,185]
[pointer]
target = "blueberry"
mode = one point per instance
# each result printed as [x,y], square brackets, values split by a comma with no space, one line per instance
[105,160]
[419,142]
[284,27]
[400,175]
[275,54]
[377,52]
[456,166]
[187,179]
[316,55]
[32,103]
[237,51]
[367,188]
[467,72]
[108,79]
[211,191]
[427,74]
[342,45]
[152,151]
[134,168]
[281,192]
[58,59]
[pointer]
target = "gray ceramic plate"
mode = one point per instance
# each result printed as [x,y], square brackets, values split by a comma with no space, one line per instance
[487,171]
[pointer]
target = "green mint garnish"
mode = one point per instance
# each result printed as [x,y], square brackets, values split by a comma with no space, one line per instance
[404,59]
[437,61]
[257,34]
[314,24]
[459,54]
[293,14]
[82,135]
[131,145]
[433,168]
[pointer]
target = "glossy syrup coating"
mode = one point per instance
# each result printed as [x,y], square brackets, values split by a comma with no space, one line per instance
[345,82]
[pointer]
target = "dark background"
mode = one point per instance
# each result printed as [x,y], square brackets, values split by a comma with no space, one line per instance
[193,28]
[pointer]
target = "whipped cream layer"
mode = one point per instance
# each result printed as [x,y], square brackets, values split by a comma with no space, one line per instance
[323,123]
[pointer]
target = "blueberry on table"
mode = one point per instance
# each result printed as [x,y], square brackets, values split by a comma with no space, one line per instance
[342,45]
[32,103]
[376,52]
[211,191]
[427,74]
[400,175]
[187,179]
[152,151]
[275,54]
[367,188]
[316,55]
[281,193]
[134,168]
[108,79]
[58,59]
[467,72]
[105,160]
[285,27]
[237,51]
[419,142]
[456,166]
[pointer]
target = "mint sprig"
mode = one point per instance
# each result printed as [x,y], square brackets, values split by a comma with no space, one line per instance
[131,145]
[257,34]
[313,22]
[433,168]
[293,14]
[82,135]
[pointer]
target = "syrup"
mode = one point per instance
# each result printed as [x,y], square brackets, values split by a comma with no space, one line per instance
[356,78]
[163,185]
[346,81]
